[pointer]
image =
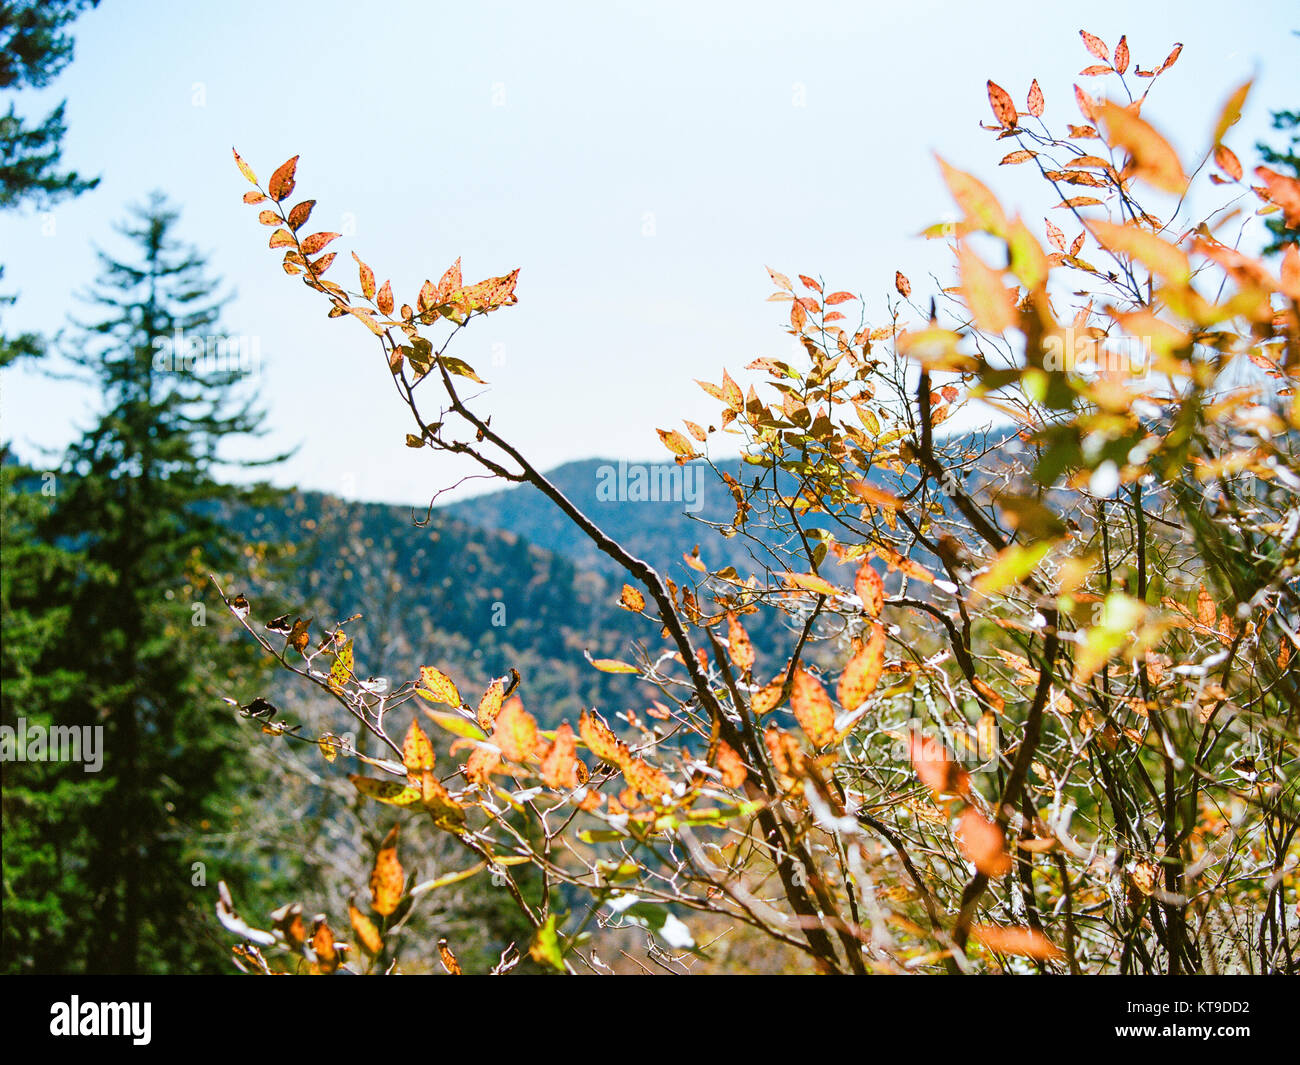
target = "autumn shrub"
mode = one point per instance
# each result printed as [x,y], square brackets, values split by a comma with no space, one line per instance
[1038,707]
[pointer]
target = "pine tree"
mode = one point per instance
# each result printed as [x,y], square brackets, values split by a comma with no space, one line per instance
[36,47]
[140,499]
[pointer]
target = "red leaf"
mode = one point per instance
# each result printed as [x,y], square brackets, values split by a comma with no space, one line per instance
[1121,55]
[1004,110]
[1035,101]
[1095,45]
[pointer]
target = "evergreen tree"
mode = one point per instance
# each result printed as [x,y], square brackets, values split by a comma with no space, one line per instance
[139,499]
[1288,158]
[36,47]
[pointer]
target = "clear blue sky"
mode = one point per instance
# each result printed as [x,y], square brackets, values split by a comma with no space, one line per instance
[547,136]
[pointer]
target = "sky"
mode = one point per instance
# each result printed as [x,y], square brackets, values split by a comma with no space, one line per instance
[641,163]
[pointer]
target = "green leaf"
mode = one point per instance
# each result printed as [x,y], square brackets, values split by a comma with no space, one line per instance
[453,723]
[545,949]
[386,791]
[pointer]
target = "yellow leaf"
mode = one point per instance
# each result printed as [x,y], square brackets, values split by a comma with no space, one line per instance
[612,665]
[438,687]
[244,168]
[974,198]
[812,583]
[341,670]
[417,751]
[386,791]
[490,704]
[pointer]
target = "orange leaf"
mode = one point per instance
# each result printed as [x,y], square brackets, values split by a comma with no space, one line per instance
[515,731]
[1004,110]
[1283,191]
[600,740]
[448,959]
[1095,45]
[1121,55]
[676,443]
[780,279]
[862,674]
[1087,105]
[983,843]
[1157,255]
[365,931]
[903,285]
[317,242]
[1055,235]
[1035,102]
[870,589]
[1226,160]
[1206,612]
[739,644]
[387,880]
[282,181]
[322,944]
[631,599]
[935,767]
[300,213]
[812,708]
[1028,942]
[366,276]
[1154,159]
[651,782]
[559,762]
[730,765]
